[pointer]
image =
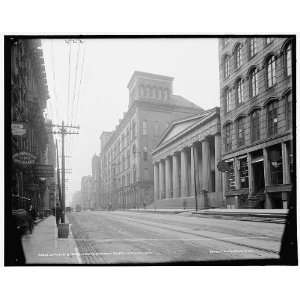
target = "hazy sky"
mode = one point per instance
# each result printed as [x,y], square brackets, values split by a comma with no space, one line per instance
[100,70]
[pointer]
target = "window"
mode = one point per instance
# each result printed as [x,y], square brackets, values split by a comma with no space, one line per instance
[134,175]
[252,47]
[272,118]
[238,56]
[128,179]
[243,172]
[275,161]
[133,150]
[288,59]
[227,137]
[253,81]
[289,115]
[226,67]
[145,154]
[133,129]
[269,40]
[229,101]
[271,71]
[255,132]
[144,127]
[127,136]
[230,177]
[128,159]
[240,91]
[240,130]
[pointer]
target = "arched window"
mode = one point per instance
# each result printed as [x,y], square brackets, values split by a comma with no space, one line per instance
[253,82]
[145,153]
[288,59]
[128,158]
[229,101]
[238,56]
[228,137]
[226,66]
[144,127]
[254,123]
[272,117]
[133,150]
[271,71]
[288,108]
[240,131]
[252,47]
[240,91]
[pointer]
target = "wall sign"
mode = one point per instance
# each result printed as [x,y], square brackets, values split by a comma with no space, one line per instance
[24,158]
[18,129]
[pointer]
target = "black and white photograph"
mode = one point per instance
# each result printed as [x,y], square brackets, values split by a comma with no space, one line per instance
[128,150]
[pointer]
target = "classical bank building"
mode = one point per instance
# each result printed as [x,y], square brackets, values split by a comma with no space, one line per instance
[185,163]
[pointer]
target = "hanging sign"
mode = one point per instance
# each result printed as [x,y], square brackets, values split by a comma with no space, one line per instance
[18,129]
[24,158]
[44,171]
[223,166]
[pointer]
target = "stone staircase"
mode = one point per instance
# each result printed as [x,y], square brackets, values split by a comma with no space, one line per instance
[256,201]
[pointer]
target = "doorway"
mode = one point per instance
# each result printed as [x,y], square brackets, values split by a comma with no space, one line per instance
[258,177]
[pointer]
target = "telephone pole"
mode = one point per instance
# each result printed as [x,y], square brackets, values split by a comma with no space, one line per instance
[63,130]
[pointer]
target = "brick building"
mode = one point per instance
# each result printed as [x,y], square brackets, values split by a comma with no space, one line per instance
[125,159]
[30,142]
[256,120]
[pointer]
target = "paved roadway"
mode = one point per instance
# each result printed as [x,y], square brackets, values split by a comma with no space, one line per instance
[106,237]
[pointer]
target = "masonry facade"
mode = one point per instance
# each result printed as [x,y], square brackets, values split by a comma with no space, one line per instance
[126,172]
[28,100]
[185,163]
[256,120]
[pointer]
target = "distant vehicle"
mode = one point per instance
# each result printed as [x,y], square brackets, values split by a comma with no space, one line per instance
[78,208]
[68,209]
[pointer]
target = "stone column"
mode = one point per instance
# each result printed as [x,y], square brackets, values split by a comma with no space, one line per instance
[156,181]
[192,185]
[250,174]
[176,182]
[206,172]
[268,203]
[184,174]
[285,165]
[161,180]
[218,174]
[285,173]
[168,178]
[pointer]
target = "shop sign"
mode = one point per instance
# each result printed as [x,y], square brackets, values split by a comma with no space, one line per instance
[223,166]
[18,129]
[24,158]
[44,171]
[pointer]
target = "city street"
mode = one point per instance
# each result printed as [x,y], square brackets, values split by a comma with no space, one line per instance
[106,237]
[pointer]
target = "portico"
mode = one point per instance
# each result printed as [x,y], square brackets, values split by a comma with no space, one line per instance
[185,163]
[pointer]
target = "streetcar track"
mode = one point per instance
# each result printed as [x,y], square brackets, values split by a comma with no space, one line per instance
[200,235]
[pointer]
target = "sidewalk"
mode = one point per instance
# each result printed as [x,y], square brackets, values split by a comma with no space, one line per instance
[263,215]
[44,247]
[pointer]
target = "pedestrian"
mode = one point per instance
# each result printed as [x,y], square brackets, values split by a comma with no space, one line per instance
[58,214]
[32,217]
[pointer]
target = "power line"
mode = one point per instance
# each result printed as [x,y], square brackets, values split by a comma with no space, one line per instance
[75,82]
[69,79]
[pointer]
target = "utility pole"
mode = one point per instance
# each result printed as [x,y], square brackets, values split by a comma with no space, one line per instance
[63,130]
